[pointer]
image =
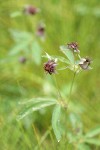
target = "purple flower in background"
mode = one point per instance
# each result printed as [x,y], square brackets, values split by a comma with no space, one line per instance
[31,10]
[41,30]
[22,59]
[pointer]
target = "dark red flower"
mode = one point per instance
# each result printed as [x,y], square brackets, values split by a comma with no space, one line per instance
[29,9]
[73,46]
[50,66]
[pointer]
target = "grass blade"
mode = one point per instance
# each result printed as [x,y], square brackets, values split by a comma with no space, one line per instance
[93,132]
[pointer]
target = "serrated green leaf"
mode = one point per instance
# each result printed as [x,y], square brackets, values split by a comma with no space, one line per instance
[93,141]
[93,132]
[56,121]
[68,53]
[34,107]
[22,39]
[36,52]
[21,36]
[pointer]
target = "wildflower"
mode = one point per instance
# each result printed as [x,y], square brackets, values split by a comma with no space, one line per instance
[85,63]
[31,10]
[49,66]
[73,46]
[41,30]
[22,59]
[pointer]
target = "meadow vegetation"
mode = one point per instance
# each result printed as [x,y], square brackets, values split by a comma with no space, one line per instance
[22,77]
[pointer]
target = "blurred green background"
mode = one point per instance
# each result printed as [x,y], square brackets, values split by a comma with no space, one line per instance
[66,21]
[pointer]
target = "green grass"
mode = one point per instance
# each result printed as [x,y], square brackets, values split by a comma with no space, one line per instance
[65,21]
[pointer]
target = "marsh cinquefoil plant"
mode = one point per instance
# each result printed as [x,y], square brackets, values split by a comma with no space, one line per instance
[72,61]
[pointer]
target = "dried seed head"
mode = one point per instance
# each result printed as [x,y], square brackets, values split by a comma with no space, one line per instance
[73,46]
[31,10]
[85,63]
[50,66]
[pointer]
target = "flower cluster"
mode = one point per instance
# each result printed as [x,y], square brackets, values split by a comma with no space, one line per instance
[73,64]
[84,63]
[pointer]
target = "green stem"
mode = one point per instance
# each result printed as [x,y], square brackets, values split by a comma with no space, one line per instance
[71,87]
[58,91]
